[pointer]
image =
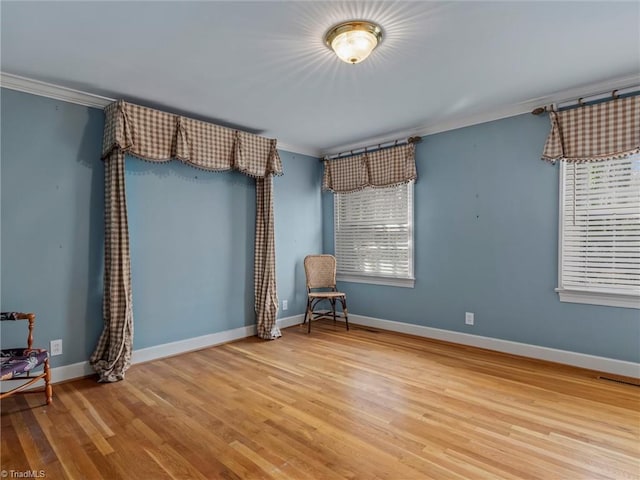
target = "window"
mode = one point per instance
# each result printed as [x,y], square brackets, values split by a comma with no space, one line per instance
[600,232]
[374,235]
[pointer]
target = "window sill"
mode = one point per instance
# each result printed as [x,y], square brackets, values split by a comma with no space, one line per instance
[388,281]
[599,298]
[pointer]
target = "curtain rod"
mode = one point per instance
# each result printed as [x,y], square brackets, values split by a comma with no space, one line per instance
[582,100]
[372,148]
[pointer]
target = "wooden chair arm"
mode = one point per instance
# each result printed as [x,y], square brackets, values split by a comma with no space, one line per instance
[22,316]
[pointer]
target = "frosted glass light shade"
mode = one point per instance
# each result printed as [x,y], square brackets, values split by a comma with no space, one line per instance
[352,42]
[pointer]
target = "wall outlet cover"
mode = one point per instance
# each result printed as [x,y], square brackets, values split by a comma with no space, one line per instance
[56,347]
[469,318]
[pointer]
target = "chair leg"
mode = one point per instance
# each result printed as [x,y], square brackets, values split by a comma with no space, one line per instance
[343,300]
[48,390]
[309,313]
[306,312]
[333,309]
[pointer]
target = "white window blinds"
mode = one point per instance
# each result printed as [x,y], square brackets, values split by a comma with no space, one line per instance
[600,227]
[374,235]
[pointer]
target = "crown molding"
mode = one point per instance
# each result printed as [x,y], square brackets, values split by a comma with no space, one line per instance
[43,89]
[506,111]
[310,152]
[56,92]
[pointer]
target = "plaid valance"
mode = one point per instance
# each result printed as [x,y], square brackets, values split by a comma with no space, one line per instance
[603,131]
[382,168]
[159,136]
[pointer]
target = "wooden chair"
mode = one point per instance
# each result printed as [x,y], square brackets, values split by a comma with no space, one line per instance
[320,271]
[20,363]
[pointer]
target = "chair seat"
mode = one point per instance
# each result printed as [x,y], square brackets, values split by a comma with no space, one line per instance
[16,361]
[326,294]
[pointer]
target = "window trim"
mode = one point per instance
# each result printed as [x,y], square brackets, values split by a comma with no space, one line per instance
[607,299]
[584,296]
[376,280]
[405,282]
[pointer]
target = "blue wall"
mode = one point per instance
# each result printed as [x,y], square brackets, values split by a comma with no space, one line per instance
[52,222]
[192,244]
[298,215]
[486,239]
[486,235]
[191,233]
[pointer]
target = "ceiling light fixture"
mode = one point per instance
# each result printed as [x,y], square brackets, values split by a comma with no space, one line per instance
[353,41]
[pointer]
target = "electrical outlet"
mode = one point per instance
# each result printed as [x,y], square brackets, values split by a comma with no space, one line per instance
[468,318]
[285,304]
[56,347]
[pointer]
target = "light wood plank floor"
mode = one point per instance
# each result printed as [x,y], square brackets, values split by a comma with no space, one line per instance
[360,405]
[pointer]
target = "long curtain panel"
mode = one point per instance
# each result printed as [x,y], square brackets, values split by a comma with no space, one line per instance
[160,137]
[112,356]
[381,168]
[265,276]
[602,131]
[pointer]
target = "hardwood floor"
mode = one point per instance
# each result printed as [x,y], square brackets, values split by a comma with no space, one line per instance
[360,405]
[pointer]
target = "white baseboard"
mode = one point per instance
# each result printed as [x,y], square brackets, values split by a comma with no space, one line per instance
[290,321]
[69,372]
[591,362]
[205,341]
[83,369]
[583,360]
[190,344]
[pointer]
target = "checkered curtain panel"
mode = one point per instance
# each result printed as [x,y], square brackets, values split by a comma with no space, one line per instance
[603,131]
[382,168]
[159,137]
[264,262]
[112,356]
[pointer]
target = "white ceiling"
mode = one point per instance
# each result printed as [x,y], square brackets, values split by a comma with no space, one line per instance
[263,67]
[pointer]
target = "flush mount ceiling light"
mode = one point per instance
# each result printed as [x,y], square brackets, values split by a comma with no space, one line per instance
[354,41]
